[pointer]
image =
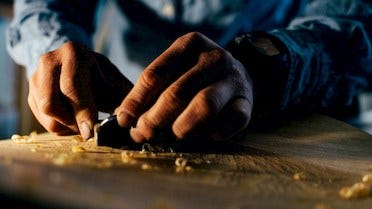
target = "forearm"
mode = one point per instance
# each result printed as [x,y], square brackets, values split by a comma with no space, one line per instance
[42,26]
[328,62]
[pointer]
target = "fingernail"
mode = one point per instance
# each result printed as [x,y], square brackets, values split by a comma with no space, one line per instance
[125,120]
[85,130]
[136,135]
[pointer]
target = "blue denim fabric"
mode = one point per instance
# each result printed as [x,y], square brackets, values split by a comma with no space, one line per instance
[331,55]
[40,26]
[329,41]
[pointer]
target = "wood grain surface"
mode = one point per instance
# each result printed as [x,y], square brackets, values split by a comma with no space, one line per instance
[300,164]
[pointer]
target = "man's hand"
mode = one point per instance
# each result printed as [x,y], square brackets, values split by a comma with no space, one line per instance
[194,86]
[70,85]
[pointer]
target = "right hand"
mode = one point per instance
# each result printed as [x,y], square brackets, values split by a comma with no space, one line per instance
[70,86]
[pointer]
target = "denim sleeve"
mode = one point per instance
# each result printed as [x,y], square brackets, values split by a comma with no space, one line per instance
[40,26]
[330,54]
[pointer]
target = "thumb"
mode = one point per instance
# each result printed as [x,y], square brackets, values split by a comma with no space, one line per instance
[85,118]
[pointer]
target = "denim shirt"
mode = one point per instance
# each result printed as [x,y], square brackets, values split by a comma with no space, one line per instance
[328,41]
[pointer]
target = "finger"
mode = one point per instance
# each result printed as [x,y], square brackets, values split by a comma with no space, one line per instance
[78,94]
[44,90]
[175,98]
[46,121]
[156,77]
[233,118]
[203,108]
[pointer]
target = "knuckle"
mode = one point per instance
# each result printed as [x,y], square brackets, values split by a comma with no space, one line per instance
[148,79]
[79,55]
[68,47]
[47,58]
[191,38]
[70,91]
[45,106]
[131,106]
[208,104]
[147,126]
[76,92]
[171,97]
[222,58]
[219,54]
[149,122]
[219,61]
[215,56]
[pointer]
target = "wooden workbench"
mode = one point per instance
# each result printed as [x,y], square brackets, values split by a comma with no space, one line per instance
[301,164]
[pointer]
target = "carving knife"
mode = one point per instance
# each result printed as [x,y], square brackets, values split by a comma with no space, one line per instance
[109,133]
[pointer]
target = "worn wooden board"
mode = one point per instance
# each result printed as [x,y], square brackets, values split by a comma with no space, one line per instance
[324,153]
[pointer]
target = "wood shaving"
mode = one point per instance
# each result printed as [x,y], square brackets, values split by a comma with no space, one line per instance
[146,166]
[87,153]
[358,190]
[77,138]
[24,139]
[146,147]
[127,157]
[299,176]
[367,179]
[77,148]
[181,165]
[91,142]
[180,162]
[183,169]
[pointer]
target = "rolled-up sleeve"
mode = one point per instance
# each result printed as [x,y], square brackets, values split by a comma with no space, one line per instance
[41,26]
[330,54]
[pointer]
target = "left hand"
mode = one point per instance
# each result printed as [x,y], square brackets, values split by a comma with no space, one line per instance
[70,85]
[194,86]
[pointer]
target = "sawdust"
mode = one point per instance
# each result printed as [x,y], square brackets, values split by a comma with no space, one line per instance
[299,176]
[24,139]
[358,190]
[74,151]
[78,148]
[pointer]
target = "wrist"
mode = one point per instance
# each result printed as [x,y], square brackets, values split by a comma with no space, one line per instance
[267,61]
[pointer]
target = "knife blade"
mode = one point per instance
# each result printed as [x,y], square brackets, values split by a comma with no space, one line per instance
[109,133]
